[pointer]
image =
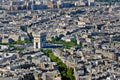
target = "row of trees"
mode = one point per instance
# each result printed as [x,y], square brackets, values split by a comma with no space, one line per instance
[65,44]
[66,73]
[20,42]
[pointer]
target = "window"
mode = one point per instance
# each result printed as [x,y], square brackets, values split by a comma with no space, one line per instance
[37,45]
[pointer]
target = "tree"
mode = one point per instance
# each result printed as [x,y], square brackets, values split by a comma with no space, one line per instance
[66,73]
[70,73]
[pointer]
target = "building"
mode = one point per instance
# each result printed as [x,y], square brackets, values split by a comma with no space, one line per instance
[91,2]
[53,75]
[4,47]
[79,3]
[58,4]
[39,40]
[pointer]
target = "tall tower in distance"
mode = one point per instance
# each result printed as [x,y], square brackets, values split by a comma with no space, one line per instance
[39,40]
